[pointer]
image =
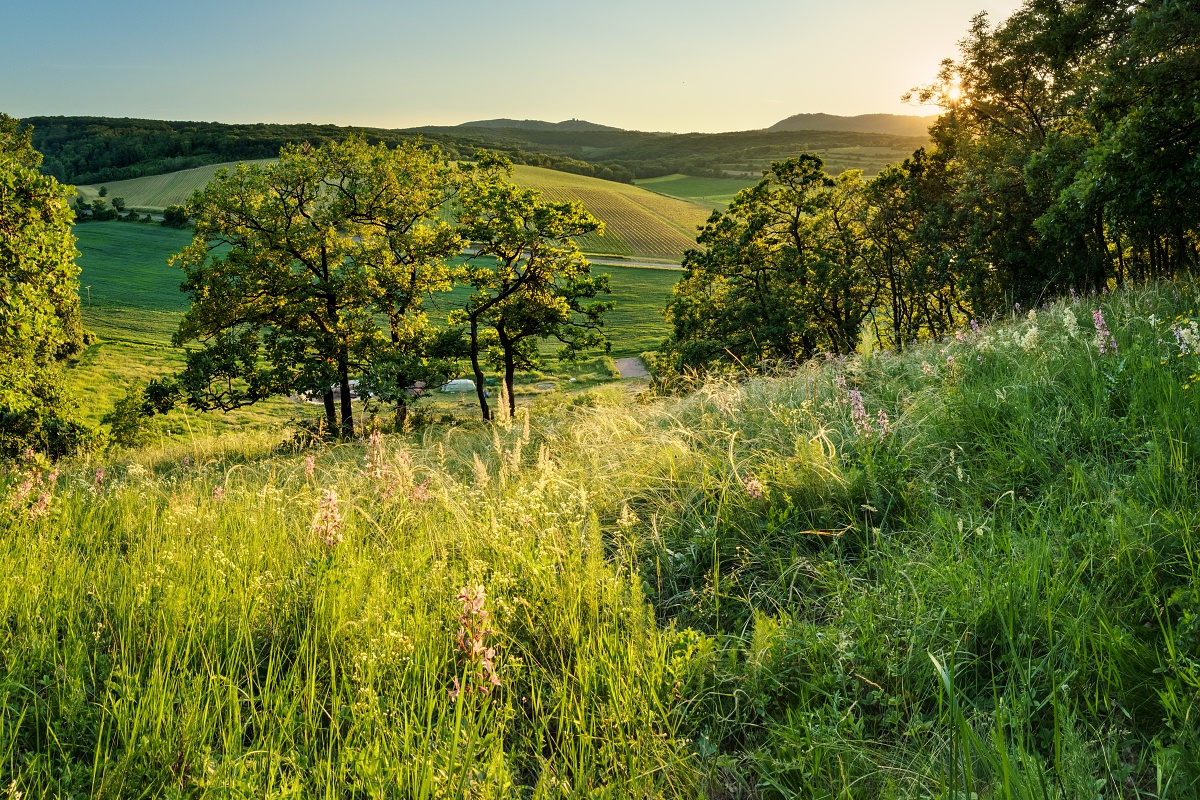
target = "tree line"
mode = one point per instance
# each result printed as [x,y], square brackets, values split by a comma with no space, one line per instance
[88,150]
[1066,159]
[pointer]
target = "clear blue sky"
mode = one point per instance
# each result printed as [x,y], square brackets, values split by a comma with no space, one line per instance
[675,65]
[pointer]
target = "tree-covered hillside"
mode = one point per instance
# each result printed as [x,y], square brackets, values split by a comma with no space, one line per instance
[92,150]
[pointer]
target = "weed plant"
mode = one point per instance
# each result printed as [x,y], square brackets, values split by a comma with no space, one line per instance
[970,570]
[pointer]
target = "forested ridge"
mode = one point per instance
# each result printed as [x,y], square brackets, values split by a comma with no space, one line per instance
[89,150]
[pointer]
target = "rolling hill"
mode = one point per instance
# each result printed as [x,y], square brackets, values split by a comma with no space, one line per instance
[539,125]
[889,124]
[640,224]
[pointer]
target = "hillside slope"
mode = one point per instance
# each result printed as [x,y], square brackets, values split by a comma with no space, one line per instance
[640,224]
[970,570]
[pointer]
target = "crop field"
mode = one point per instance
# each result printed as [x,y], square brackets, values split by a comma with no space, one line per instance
[648,224]
[156,192]
[640,224]
[715,192]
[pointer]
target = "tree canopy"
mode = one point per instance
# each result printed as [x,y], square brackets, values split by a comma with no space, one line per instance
[292,261]
[1066,159]
[39,302]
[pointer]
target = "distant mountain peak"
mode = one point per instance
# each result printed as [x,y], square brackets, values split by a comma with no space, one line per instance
[540,125]
[893,124]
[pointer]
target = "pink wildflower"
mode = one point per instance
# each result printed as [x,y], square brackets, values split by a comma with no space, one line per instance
[858,413]
[885,426]
[310,465]
[23,492]
[754,488]
[1104,337]
[218,494]
[471,642]
[327,522]
[41,508]
[98,483]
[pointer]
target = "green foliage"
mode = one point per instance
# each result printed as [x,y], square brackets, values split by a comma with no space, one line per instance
[315,245]
[781,277]
[129,419]
[39,303]
[529,279]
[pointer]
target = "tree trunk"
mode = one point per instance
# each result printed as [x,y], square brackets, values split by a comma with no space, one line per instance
[343,366]
[401,413]
[479,385]
[330,410]
[510,370]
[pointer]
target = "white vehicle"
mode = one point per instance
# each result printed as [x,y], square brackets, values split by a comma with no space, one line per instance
[461,386]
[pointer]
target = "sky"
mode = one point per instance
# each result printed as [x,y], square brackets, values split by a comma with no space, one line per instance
[660,65]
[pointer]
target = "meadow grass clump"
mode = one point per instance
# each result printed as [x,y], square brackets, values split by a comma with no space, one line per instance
[968,569]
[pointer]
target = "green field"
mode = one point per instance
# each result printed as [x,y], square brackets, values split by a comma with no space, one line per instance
[717,192]
[640,224]
[135,306]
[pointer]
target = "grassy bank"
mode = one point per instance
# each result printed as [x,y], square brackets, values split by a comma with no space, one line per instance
[970,570]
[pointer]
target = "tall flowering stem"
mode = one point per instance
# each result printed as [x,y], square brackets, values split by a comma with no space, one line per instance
[858,413]
[1104,337]
[327,522]
[471,644]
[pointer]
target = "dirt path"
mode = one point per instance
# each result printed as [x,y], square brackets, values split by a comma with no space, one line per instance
[631,367]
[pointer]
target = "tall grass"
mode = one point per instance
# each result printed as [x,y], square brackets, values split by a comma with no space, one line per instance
[759,590]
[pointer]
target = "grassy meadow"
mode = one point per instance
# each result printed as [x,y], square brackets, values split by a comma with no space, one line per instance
[715,192]
[970,570]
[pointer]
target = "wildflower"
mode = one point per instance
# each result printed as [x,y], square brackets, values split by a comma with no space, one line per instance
[885,426]
[187,461]
[218,493]
[419,492]
[1017,307]
[858,413]
[754,487]
[627,519]
[974,326]
[1029,341]
[310,465]
[927,368]
[98,483]
[471,642]
[23,492]
[1073,295]
[374,459]
[1188,338]
[327,522]
[1070,323]
[1104,337]
[41,508]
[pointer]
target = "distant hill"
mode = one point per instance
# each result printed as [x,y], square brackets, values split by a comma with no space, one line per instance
[539,125]
[892,124]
